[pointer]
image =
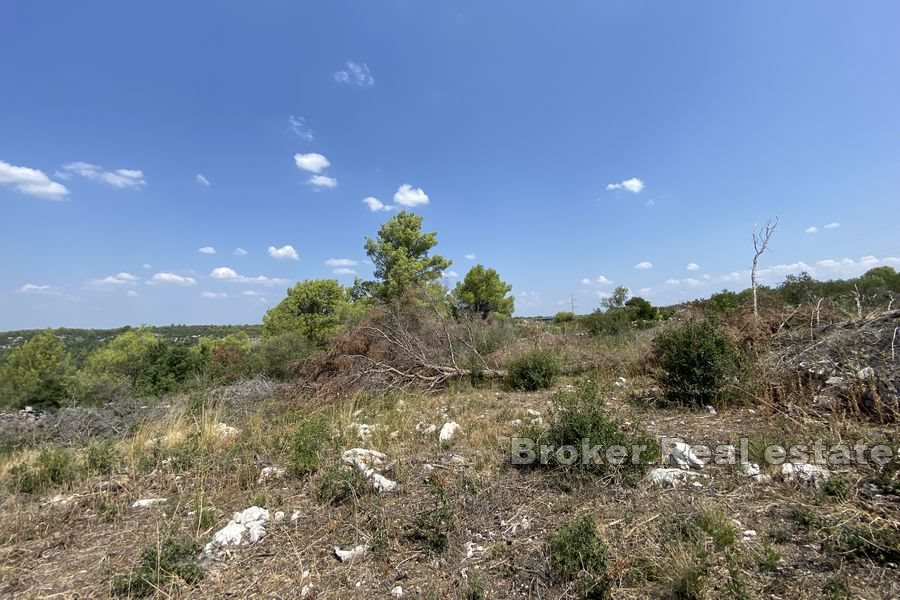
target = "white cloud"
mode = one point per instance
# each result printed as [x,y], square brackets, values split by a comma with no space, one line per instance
[355,73]
[733,276]
[32,182]
[112,281]
[323,181]
[633,185]
[229,274]
[832,226]
[451,274]
[812,229]
[601,280]
[286,252]
[146,266]
[586,281]
[250,293]
[344,271]
[689,282]
[312,162]
[376,205]
[644,265]
[206,250]
[298,127]
[341,262]
[240,252]
[409,196]
[31,288]
[213,295]
[692,267]
[120,178]
[202,180]
[163,278]
[132,294]
[848,267]
[645,291]
[470,256]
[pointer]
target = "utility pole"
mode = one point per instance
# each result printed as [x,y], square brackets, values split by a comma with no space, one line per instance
[573,303]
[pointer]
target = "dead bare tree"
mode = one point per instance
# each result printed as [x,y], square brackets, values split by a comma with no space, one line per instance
[760,245]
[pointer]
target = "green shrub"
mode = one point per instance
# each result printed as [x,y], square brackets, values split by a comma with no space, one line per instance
[340,484]
[52,467]
[39,373]
[306,446]
[432,527]
[577,554]
[698,364]
[272,356]
[534,370]
[101,458]
[581,417]
[173,558]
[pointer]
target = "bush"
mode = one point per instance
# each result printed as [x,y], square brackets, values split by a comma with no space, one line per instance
[577,554]
[171,559]
[272,356]
[39,373]
[314,308]
[309,438]
[52,467]
[432,527]
[534,370]
[340,484]
[698,364]
[581,416]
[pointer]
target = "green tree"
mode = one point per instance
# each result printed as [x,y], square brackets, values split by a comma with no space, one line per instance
[641,309]
[400,256]
[483,292]
[141,361]
[315,308]
[616,299]
[38,373]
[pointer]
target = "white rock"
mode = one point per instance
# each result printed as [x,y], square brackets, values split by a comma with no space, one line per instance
[448,431]
[621,382]
[866,373]
[515,422]
[364,432]
[473,549]
[226,431]
[306,590]
[672,477]
[295,516]
[369,463]
[148,502]
[750,469]
[397,592]
[683,457]
[805,473]
[245,527]
[270,473]
[748,534]
[426,428]
[532,413]
[279,516]
[345,555]
[711,409]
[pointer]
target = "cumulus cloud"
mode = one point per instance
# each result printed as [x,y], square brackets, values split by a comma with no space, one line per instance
[692,267]
[114,281]
[409,196]
[644,265]
[206,250]
[633,185]
[344,271]
[31,288]
[250,293]
[213,295]
[451,274]
[812,229]
[132,294]
[286,252]
[202,180]
[33,182]
[229,274]
[312,162]
[645,291]
[601,280]
[297,126]
[470,256]
[355,73]
[586,281]
[240,252]
[323,181]
[688,281]
[146,266]
[832,226]
[376,205]
[171,278]
[341,262]
[120,178]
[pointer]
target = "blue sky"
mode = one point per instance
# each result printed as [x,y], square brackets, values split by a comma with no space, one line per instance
[563,144]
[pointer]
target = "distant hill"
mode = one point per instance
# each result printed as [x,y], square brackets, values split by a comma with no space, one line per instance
[80,342]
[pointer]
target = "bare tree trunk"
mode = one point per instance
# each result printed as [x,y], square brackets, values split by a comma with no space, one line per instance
[760,245]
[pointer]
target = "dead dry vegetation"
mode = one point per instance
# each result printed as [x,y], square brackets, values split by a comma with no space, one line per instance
[462,521]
